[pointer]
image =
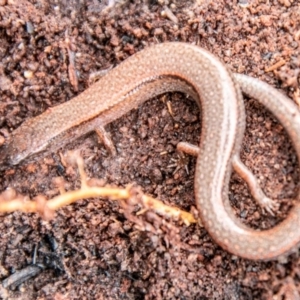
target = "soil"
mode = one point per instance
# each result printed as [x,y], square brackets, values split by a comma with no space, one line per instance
[51,51]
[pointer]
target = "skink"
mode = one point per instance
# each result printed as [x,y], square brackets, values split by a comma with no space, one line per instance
[194,71]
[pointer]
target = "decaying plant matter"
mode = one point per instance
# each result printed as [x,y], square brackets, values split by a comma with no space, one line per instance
[128,197]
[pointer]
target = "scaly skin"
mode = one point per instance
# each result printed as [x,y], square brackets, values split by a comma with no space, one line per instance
[192,70]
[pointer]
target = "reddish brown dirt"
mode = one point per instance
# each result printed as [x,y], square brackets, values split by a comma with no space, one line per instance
[90,250]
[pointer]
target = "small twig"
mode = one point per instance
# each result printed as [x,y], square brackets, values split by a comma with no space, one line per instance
[10,202]
[277,65]
[71,67]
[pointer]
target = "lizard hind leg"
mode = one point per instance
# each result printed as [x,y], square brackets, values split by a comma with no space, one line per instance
[262,200]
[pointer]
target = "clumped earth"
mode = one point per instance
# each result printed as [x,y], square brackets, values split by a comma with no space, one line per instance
[52,50]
